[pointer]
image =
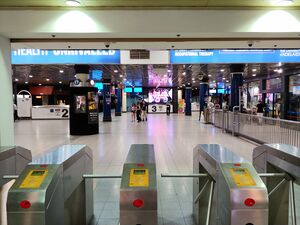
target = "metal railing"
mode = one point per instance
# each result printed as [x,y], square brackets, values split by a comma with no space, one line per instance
[257,128]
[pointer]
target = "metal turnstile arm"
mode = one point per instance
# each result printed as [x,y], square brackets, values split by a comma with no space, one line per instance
[185,175]
[212,184]
[277,186]
[201,191]
[92,176]
[272,174]
[292,202]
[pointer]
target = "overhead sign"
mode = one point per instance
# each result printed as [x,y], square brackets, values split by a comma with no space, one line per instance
[234,56]
[38,56]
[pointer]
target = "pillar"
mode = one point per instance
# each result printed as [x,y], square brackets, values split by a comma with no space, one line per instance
[175,100]
[179,94]
[124,101]
[6,94]
[106,102]
[119,101]
[188,105]
[236,96]
[203,95]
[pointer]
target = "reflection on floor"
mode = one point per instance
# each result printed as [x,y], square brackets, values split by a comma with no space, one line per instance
[174,138]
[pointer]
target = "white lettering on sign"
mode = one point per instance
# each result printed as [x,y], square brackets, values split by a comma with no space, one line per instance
[193,53]
[39,52]
[289,53]
[32,52]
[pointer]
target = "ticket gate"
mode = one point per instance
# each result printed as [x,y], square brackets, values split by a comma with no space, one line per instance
[138,193]
[226,188]
[13,160]
[279,158]
[51,190]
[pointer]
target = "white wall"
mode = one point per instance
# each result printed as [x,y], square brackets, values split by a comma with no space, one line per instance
[149,23]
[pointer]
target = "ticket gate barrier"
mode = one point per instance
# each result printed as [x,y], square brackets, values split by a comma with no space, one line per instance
[51,190]
[227,189]
[279,158]
[13,159]
[138,192]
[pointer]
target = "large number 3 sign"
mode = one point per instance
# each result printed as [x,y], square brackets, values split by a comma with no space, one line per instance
[154,109]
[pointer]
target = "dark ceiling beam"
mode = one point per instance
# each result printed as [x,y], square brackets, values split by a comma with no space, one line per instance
[181,39]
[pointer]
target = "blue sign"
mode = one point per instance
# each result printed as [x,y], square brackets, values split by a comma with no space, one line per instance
[38,56]
[234,56]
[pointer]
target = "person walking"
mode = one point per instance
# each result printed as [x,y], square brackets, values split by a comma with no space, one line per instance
[133,111]
[144,111]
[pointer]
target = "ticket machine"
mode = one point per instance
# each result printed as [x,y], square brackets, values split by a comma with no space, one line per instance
[51,190]
[138,194]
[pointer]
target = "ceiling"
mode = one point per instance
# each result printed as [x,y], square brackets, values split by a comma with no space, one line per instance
[146,3]
[145,75]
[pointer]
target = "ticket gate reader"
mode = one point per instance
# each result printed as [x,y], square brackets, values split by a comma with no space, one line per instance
[279,158]
[236,196]
[51,190]
[138,193]
[13,159]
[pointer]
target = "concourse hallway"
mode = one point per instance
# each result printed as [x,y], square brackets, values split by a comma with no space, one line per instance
[174,138]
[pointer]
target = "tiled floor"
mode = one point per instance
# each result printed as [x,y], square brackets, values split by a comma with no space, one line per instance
[174,138]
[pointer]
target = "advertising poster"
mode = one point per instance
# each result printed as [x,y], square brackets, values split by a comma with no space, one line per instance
[92,108]
[80,104]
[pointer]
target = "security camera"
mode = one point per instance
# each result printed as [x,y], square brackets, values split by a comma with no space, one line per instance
[107,45]
[250,43]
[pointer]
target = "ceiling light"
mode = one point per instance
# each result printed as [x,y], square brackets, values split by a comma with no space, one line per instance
[254,70]
[75,76]
[121,75]
[279,64]
[227,81]
[72,3]
[214,81]
[184,73]
[61,71]
[60,82]
[194,81]
[169,71]
[254,75]
[275,70]
[40,84]
[222,70]
[47,79]
[285,2]
[224,78]
[116,71]
[30,76]
[26,82]
[16,79]
[279,71]
[209,75]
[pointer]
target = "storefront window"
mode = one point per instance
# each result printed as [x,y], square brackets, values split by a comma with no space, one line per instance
[294,98]
[251,94]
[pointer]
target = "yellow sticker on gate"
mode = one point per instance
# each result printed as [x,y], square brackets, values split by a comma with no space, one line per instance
[34,179]
[139,178]
[242,177]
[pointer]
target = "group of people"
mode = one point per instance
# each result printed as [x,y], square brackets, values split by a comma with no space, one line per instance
[139,111]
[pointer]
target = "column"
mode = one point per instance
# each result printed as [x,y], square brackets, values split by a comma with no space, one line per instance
[175,100]
[124,101]
[236,96]
[119,101]
[188,105]
[6,95]
[106,102]
[203,92]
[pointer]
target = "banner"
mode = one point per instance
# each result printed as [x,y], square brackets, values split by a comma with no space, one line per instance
[234,56]
[38,56]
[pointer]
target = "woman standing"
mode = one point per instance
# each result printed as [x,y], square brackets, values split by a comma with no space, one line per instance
[133,111]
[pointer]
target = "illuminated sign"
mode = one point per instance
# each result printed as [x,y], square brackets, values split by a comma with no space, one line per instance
[38,56]
[235,56]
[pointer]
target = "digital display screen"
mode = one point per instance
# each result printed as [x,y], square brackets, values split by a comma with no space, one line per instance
[128,89]
[240,171]
[96,75]
[138,89]
[139,172]
[160,95]
[221,91]
[99,86]
[37,173]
